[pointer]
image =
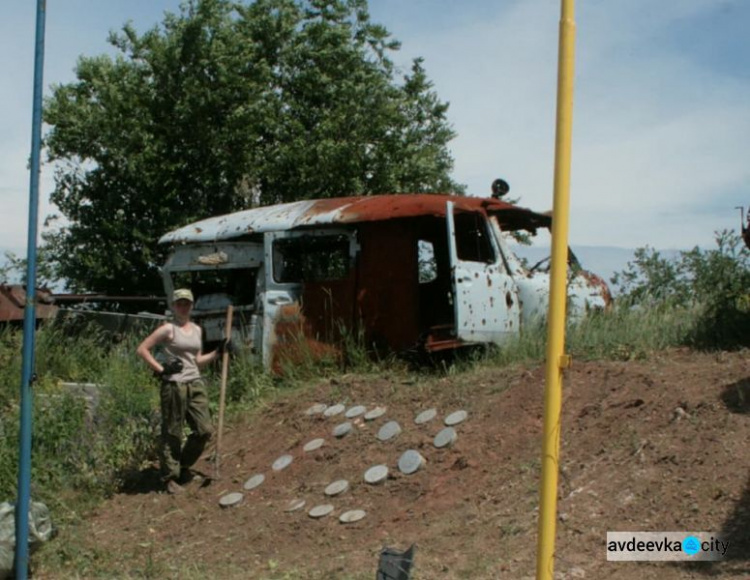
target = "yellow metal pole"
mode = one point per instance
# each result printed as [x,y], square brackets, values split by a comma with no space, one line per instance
[556,360]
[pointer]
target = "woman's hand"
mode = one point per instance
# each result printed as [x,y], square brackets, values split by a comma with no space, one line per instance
[161,334]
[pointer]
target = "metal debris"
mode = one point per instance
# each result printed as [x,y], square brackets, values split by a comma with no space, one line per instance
[337,487]
[389,431]
[254,481]
[313,445]
[376,474]
[446,438]
[410,462]
[375,413]
[352,516]
[342,429]
[355,411]
[425,416]
[230,500]
[343,210]
[294,504]
[370,248]
[320,511]
[456,418]
[334,410]
[282,462]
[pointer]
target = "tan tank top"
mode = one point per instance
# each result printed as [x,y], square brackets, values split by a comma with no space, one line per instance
[185,347]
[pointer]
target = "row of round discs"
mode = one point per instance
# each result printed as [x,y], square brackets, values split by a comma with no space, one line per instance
[392,429]
[323,510]
[409,462]
[378,411]
[316,512]
[447,436]
[351,413]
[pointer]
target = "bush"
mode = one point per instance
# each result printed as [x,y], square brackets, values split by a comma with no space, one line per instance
[77,443]
[715,283]
[700,298]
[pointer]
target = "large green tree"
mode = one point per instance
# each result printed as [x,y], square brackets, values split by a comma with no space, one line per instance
[225,106]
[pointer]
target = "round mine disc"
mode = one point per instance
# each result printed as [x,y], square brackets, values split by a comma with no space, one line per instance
[334,410]
[425,416]
[375,413]
[337,487]
[410,462]
[254,481]
[456,418]
[352,516]
[389,431]
[320,511]
[294,505]
[230,500]
[282,462]
[342,429]
[445,438]
[313,445]
[316,409]
[355,411]
[376,474]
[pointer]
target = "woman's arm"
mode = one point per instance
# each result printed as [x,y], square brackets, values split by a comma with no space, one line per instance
[161,334]
[204,359]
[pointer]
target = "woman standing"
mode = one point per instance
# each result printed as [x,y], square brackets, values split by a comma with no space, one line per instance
[183,392]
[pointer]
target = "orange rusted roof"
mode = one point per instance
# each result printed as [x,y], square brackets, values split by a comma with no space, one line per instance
[341,210]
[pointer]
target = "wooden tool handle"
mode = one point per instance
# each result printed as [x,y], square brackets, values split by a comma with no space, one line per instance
[223,391]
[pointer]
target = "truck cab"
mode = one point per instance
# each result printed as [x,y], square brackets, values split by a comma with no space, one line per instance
[403,273]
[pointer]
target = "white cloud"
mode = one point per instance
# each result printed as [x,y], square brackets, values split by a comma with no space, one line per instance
[75,28]
[660,140]
[657,136]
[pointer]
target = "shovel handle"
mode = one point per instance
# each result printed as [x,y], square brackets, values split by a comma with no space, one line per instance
[223,390]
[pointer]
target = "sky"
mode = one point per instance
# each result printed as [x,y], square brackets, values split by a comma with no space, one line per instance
[661,133]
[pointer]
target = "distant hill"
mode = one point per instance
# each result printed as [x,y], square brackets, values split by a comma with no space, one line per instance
[601,260]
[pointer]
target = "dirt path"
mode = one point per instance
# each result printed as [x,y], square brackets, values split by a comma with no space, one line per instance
[655,445]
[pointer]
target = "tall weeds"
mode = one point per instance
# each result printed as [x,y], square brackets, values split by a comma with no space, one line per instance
[87,445]
[713,284]
[79,442]
[620,333]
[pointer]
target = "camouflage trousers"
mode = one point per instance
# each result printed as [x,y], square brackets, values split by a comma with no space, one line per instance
[183,403]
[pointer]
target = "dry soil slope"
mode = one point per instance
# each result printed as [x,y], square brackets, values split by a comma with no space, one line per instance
[659,444]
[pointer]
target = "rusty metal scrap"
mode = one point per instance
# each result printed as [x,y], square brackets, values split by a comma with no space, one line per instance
[13,303]
[49,305]
[346,210]
[474,291]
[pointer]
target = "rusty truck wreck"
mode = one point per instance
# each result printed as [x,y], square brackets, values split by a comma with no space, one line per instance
[420,272]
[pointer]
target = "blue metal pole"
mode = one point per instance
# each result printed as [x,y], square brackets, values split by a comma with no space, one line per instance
[29,319]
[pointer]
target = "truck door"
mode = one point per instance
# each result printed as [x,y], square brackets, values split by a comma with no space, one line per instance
[309,291]
[485,297]
[277,295]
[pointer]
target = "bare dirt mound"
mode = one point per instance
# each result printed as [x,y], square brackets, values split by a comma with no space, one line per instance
[655,445]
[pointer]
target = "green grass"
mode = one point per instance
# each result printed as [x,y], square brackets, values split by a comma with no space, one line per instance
[80,458]
[71,452]
[631,333]
[617,334]
[73,446]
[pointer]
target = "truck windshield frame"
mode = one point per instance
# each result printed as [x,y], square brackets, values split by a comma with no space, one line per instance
[311,259]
